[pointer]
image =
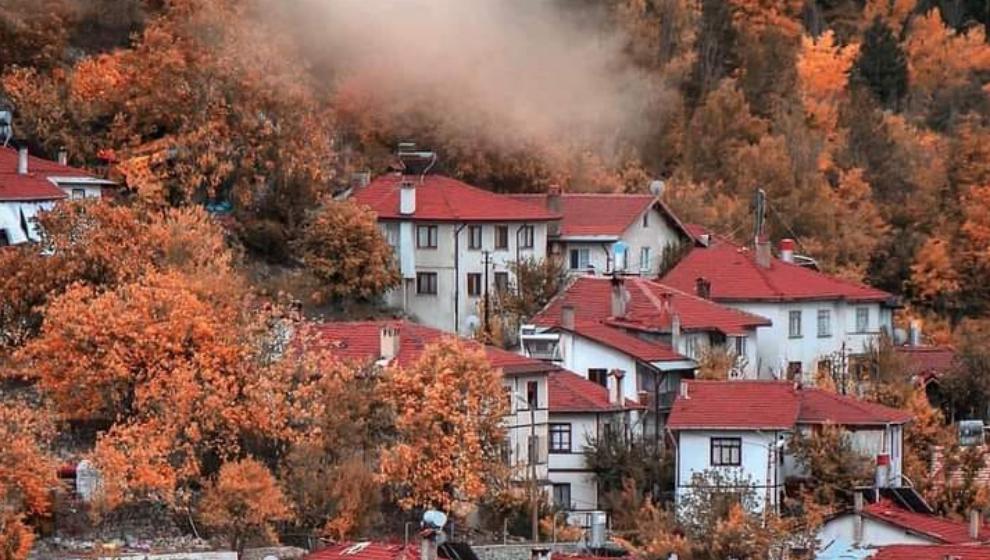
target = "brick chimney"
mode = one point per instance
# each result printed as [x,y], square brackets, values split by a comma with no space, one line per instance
[763,253]
[787,250]
[703,287]
[615,393]
[620,296]
[389,343]
[63,156]
[567,316]
[22,161]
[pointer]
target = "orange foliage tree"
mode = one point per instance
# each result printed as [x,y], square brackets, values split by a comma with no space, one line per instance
[343,247]
[449,408]
[823,73]
[939,57]
[27,474]
[243,502]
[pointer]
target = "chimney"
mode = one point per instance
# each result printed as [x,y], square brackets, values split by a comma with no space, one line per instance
[554,207]
[703,287]
[858,519]
[567,316]
[914,333]
[615,395]
[705,239]
[975,521]
[665,302]
[22,161]
[389,343]
[787,250]
[619,297]
[683,390]
[63,156]
[428,546]
[675,331]
[763,253]
[407,197]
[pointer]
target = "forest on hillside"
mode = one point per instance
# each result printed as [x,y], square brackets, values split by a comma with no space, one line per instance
[867,122]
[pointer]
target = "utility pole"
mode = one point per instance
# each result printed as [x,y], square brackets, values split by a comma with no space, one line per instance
[534,450]
[486,260]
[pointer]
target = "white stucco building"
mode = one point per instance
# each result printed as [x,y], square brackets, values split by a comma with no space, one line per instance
[443,232]
[885,523]
[591,224]
[29,185]
[741,429]
[819,321]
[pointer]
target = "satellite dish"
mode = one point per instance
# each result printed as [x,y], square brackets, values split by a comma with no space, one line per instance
[434,519]
[656,187]
[472,322]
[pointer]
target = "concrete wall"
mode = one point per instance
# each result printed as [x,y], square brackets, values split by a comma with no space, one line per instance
[520,425]
[580,354]
[656,235]
[875,533]
[452,285]
[777,348]
[694,456]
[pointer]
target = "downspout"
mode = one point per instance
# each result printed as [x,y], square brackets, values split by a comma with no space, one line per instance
[608,259]
[457,276]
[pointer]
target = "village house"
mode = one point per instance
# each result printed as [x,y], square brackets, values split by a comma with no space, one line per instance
[455,243]
[592,225]
[742,430]
[553,413]
[885,523]
[29,185]
[820,323]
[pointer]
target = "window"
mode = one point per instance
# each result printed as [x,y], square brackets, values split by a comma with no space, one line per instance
[474,237]
[646,219]
[644,259]
[740,345]
[560,438]
[78,193]
[474,283]
[862,319]
[726,452]
[599,376]
[824,323]
[426,283]
[501,281]
[793,371]
[426,237]
[533,394]
[794,324]
[580,259]
[562,496]
[526,235]
[501,237]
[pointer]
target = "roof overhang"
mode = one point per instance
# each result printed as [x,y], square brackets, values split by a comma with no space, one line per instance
[82,181]
[588,238]
[675,365]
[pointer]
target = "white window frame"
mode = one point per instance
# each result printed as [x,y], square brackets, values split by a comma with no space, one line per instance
[824,323]
[862,319]
[791,323]
[583,259]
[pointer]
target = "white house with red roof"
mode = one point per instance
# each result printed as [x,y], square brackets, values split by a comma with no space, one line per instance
[29,185]
[554,409]
[591,224]
[885,523]
[741,430]
[819,321]
[442,229]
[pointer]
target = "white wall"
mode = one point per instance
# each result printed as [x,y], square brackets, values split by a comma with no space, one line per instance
[580,354]
[694,456]
[875,532]
[571,467]
[11,216]
[438,310]
[777,348]
[520,424]
[89,191]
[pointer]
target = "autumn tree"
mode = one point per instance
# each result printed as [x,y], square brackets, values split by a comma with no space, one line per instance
[449,407]
[343,247]
[939,57]
[967,384]
[823,72]
[27,474]
[923,436]
[243,502]
[833,467]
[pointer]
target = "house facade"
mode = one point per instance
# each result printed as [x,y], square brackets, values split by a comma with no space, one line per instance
[29,185]
[454,244]
[740,431]
[885,523]
[591,225]
[819,322]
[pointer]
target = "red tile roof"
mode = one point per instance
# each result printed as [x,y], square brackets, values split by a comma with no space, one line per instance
[926,361]
[932,552]
[360,341]
[569,392]
[442,199]
[940,529]
[602,214]
[821,407]
[645,310]
[626,343]
[365,551]
[735,276]
[35,185]
[771,405]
